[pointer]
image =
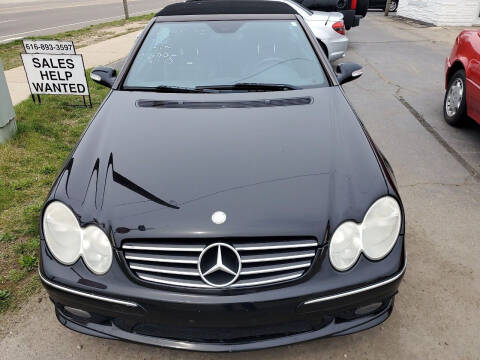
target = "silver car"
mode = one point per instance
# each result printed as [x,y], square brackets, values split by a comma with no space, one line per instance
[327,27]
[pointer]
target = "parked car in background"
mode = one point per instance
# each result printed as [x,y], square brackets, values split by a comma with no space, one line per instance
[328,28]
[382,4]
[352,10]
[462,80]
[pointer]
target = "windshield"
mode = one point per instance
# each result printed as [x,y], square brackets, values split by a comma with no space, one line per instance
[206,54]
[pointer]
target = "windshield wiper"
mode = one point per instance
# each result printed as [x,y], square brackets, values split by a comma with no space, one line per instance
[250,87]
[168,89]
[164,88]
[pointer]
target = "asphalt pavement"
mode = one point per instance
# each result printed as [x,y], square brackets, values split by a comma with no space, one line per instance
[399,99]
[23,18]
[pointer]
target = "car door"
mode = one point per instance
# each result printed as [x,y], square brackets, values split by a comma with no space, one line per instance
[473,79]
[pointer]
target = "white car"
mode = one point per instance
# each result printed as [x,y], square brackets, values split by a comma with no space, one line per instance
[328,28]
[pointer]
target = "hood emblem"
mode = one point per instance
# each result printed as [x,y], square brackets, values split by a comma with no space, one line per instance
[219,265]
[219,217]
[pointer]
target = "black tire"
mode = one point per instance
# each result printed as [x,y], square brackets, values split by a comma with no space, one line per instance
[393,6]
[362,7]
[454,104]
[342,5]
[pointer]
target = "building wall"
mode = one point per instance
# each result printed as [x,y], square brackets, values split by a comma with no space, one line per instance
[442,12]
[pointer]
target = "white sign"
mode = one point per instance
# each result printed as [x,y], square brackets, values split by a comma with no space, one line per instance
[48,47]
[55,74]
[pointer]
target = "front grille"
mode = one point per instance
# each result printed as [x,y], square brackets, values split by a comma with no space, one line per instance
[264,261]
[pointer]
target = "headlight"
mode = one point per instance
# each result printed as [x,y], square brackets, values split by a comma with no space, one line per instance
[67,241]
[381,227]
[62,233]
[375,236]
[96,250]
[345,246]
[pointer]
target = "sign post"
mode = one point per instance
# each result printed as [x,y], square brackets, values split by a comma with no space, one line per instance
[387,7]
[125,8]
[53,68]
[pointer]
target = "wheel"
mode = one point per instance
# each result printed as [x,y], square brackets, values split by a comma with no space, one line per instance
[393,5]
[342,5]
[362,7]
[455,104]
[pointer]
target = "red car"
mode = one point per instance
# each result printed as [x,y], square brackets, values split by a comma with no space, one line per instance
[462,99]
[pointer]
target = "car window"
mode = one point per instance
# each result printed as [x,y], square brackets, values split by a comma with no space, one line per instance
[205,53]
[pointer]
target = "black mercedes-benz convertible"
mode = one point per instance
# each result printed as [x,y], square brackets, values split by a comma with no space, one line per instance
[225,196]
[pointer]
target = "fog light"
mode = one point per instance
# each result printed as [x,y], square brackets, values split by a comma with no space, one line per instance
[365,310]
[77,312]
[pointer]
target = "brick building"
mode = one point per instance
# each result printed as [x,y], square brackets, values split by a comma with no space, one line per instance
[442,12]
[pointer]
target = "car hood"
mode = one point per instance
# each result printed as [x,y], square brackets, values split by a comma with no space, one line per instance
[294,169]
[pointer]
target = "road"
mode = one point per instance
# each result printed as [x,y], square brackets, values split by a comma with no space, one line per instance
[25,18]
[399,99]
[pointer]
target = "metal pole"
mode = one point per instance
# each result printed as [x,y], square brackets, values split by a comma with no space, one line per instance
[8,125]
[125,8]
[387,7]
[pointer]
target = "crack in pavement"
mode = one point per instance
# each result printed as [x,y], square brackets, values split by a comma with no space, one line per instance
[421,119]
[378,72]
[465,183]
[426,125]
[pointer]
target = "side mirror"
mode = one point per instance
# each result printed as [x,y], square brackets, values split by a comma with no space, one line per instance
[104,76]
[347,72]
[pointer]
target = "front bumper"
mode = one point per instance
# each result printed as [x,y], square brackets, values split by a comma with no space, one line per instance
[333,328]
[249,320]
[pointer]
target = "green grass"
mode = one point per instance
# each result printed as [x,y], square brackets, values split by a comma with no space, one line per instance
[6,237]
[10,52]
[4,299]
[28,166]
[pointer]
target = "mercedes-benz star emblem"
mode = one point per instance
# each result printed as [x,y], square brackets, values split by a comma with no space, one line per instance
[219,265]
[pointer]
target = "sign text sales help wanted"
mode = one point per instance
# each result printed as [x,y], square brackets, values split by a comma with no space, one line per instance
[55,74]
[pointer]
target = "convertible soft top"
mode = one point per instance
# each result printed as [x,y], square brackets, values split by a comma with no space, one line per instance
[213,7]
